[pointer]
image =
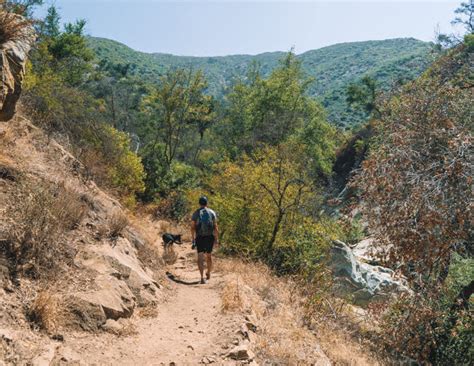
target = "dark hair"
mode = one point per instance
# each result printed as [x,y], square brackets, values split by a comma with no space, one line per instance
[203,201]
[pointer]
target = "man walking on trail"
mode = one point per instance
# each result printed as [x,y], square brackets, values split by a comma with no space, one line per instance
[205,235]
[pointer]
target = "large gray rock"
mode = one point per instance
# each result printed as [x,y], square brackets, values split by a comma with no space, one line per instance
[13,57]
[361,282]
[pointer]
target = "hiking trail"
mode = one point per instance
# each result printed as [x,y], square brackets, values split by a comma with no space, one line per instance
[189,327]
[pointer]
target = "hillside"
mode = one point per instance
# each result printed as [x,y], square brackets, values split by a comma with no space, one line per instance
[333,67]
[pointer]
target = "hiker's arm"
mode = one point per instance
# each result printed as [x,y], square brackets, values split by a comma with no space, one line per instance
[193,230]
[216,233]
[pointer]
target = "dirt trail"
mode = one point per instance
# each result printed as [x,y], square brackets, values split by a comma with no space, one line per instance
[189,328]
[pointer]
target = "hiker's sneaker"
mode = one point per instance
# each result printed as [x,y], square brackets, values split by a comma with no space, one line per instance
[202,281]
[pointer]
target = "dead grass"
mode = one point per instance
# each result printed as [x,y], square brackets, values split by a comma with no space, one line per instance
[47,311]
[231,298]
[170,256]
[283,336]
[13,27]
[40,214]
[117,222]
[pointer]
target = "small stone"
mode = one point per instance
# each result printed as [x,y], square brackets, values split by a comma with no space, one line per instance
[112,326]
[241,353]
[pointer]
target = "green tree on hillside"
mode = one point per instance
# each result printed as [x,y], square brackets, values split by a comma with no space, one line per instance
[273,110]
[175,108]
[364,95]
[465,16]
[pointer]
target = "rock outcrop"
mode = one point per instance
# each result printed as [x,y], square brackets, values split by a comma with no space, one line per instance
[359,281]
[13,57]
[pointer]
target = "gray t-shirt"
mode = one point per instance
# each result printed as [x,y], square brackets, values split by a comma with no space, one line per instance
[196,214]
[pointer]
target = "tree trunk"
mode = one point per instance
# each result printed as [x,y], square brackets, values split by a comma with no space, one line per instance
[276,229]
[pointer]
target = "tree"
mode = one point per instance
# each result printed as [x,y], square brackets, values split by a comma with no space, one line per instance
[364,95]
[174,108]
[50,27]
[23,7]
[417,180]
[465,16]
[267,111]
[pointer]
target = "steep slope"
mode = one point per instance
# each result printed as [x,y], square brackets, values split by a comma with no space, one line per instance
[333,67]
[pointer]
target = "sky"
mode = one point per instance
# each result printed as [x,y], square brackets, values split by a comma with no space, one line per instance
[216,28]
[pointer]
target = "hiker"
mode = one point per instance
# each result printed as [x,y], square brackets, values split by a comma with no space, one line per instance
[205,235]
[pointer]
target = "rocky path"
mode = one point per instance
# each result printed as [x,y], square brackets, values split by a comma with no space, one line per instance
[189,328]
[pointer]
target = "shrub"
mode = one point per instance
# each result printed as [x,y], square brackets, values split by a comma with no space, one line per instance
[46,311]
[117,222]
[41,215]
[175,206]
[434,325]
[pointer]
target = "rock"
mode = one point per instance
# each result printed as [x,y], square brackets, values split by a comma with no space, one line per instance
[84,315]
[362,281]
[90,310]
[121,262]
[241,353]
[112,326]
[13,56]
[206,360]
[114,296]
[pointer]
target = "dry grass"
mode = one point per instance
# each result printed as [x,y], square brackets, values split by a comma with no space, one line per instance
[13,27]
[117,222]
[170,256]
[47,311]
[40,214]
[279,308]
[231,298]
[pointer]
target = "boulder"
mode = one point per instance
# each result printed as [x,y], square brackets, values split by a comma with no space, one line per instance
[121,262]
[362,282]
[84,315]
[111,300]
[113,296]
[13,57]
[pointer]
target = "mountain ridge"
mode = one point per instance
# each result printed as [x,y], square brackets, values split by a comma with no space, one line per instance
[332,67]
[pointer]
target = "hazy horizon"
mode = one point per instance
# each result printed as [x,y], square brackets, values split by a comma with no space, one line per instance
[207,28]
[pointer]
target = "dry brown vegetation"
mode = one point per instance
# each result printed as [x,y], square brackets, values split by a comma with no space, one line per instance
[12,26]
[117,222]
[284,335]
[40,216]
[46,311]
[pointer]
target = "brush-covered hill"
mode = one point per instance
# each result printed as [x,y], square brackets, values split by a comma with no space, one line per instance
[333,68]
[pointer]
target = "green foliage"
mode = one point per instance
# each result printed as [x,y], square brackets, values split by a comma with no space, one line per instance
[22,7]
[176,111]
[126,170]
[364,95]
[386,61]
[274,110]
[264,204]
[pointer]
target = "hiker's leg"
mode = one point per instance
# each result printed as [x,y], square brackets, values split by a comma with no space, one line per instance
[209,264]
[201,264]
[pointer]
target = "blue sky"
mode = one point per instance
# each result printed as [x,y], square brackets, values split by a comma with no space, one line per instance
[210,28]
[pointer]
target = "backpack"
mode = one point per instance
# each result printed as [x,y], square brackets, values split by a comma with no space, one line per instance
[205,223]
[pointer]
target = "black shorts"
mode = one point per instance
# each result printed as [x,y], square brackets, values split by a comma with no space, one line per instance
[204,244]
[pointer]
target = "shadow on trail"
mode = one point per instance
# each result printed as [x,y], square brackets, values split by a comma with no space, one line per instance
[173,278]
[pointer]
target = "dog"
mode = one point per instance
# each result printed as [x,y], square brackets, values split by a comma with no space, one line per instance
[170,239]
